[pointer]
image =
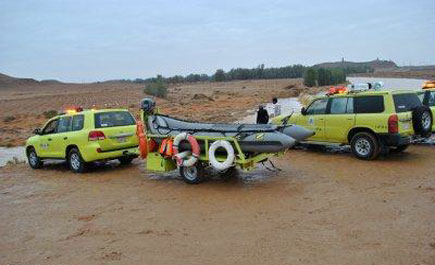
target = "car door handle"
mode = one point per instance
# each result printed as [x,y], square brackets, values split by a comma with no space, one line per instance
[65,138]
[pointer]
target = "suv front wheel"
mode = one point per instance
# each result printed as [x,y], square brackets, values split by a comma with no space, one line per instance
[34,161]
[365,146]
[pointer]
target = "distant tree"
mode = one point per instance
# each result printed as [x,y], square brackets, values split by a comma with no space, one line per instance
[323,77]
[338,76]
[219,76]
[260,71]
[157,88]
[310,77]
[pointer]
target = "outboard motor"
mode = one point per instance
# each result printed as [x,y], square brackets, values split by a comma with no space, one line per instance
[148,105]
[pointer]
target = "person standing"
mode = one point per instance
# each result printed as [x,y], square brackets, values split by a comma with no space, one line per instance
[276,107]
[262,116]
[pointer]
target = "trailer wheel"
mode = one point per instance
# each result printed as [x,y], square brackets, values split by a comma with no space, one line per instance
[229,174]
[193,174]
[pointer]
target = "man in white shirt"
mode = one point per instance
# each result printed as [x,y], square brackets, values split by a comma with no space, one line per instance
[276,107]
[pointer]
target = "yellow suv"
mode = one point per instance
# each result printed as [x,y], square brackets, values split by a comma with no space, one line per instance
[83,136]
[370,121]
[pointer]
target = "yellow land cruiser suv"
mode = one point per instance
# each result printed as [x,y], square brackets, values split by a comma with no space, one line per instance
[371,121]
[83,136]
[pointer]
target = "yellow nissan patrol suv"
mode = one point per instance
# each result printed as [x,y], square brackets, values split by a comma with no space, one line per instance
[370,121]
[83,136]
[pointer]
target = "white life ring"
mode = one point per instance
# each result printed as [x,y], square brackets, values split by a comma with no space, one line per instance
[221,166]
[186,159]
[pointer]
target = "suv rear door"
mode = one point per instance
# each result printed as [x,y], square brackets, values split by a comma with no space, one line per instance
[119,128]
[404,104]
[370,112]
[339,119]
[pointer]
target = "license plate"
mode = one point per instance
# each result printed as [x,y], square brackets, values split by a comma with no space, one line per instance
[405,126]
[121,139]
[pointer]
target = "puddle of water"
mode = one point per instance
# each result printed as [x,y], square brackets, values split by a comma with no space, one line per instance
[426,141]
[391,83]
[288,105]
[8,154]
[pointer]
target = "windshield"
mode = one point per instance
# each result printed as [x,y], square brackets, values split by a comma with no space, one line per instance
[406,102]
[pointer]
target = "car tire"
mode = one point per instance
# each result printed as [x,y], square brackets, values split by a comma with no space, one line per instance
[125,160]
[422,121]
[401,148]
[32,158]
[365,146]
[192,175]
[76,162]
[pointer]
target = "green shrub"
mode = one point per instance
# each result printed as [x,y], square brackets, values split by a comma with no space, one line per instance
[156,88]
[49,114]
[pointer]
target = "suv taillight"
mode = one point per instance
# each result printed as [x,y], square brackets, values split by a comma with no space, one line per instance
[393,124]
[96,135]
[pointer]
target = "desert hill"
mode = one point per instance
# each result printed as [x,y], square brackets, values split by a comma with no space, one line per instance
[377,64]
[7,81]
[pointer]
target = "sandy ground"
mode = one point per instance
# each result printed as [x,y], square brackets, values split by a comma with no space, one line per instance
[209,101]
[323,208]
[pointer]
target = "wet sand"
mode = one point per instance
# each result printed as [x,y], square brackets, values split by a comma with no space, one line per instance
[323,208]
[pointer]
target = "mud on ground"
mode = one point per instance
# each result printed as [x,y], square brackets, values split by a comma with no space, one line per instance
[323,208]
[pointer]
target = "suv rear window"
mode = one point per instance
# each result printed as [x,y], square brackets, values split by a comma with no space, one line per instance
[369,104]
[113,119]
[78,122]
[406,102]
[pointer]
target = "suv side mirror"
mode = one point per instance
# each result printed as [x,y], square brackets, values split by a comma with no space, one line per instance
[303,111]
[37,131]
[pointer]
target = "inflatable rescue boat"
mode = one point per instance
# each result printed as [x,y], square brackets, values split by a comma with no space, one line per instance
[253,138]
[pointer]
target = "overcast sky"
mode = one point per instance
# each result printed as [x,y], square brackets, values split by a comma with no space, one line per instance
[99,40]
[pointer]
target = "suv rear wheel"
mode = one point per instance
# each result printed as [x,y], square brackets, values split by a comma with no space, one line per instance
[76,162]
[365,146]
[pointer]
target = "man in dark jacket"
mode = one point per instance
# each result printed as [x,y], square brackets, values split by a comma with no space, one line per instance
[262,116]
